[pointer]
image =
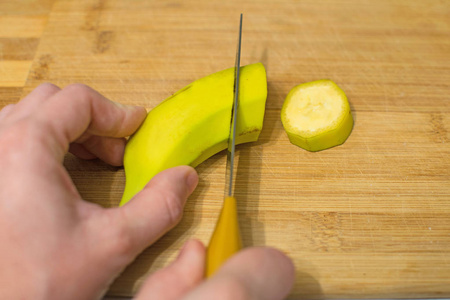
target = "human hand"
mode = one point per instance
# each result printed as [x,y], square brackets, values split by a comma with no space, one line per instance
[57,246]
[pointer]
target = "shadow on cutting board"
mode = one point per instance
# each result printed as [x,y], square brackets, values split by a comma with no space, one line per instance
[248,175]
[96,181]
[247,189]
[306,285]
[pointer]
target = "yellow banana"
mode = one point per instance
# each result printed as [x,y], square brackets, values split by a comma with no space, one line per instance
[193,125]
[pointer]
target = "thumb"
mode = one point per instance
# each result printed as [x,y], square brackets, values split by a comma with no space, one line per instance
[153,211]
[180,277]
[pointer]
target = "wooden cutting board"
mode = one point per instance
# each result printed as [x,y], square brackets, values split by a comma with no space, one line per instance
[366,219]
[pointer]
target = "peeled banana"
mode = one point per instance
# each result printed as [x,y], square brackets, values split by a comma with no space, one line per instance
[316,115]
[194,124]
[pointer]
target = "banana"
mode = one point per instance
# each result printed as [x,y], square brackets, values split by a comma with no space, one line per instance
[316,115]
[193,125]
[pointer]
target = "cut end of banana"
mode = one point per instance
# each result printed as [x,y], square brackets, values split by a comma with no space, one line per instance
[317,116]
[194,124]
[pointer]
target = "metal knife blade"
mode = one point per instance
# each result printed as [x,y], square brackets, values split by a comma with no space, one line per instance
[234,110]
[226,239]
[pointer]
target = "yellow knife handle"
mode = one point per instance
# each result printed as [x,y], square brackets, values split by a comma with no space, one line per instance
[226,239]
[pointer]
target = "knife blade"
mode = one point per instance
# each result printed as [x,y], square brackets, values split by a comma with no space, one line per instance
[232,136]
[226,238]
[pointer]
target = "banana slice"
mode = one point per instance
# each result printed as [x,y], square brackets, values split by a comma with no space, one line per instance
[317,116]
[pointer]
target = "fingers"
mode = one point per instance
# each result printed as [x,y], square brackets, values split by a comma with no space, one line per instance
[178,278]
[110,150]
[254,273]
[152,212]
[80,151]
[77,109]
[62,116]
[32,102]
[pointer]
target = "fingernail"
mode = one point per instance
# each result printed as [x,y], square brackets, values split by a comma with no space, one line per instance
[130,107]
[191,247]
[192,180]
[138,107]
[183,249]
[135,107]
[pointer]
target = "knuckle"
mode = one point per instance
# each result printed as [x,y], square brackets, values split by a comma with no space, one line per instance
[92,142]
[77,86]
[48,87]
[122,242]
[123,245]
[79,89]
[173,207]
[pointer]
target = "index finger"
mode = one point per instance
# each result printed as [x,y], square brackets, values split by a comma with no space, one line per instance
[78,109]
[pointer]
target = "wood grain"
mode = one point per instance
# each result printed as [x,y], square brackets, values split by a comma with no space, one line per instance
[22,23]
[368,219]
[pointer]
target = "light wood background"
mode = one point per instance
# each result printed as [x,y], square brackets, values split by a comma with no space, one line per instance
[366,219]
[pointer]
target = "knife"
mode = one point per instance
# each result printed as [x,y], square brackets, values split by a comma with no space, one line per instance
[226,238]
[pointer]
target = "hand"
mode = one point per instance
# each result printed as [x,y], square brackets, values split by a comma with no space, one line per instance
[54,245]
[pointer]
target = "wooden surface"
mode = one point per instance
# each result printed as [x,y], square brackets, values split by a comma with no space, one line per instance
[366,219]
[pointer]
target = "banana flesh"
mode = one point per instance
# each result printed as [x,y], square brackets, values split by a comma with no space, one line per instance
[193,125]
[316,115]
